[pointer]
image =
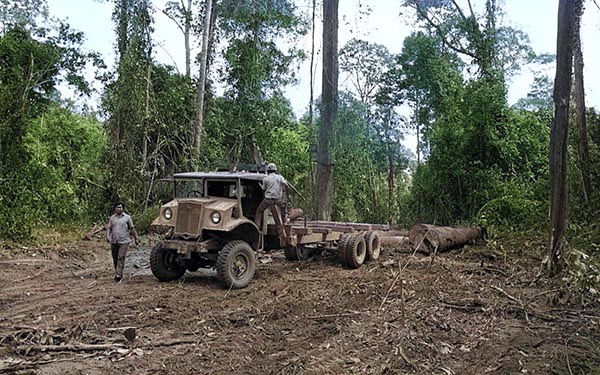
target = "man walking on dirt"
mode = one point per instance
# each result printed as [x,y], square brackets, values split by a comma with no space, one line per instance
[120,229]
[274,186]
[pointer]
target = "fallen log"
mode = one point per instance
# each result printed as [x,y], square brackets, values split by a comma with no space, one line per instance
[400,242]
[395,232]
[430,238]
[97,229]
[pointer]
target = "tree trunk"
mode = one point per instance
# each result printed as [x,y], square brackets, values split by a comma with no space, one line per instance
[202,78]
[430,238]
[186,38]
[312,64]
[579,97]
[391,187]
[324,183]
[559,135]
[418,131]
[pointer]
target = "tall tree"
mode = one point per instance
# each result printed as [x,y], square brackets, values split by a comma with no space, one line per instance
[37,54]
[567,19]
[182,15]
[324,178]
[428,77]
[579,97]
[206,32]
[257,69]
[129,99]
[312,62]
[366,63]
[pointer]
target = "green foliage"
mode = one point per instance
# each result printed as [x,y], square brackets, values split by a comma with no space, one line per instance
[366,63]
[485,160]
[583,276]
[289,148]
[142,218]
[169,131]
[457,183]
[150,110]
[18,215]
[62,180]
[22,13]
[36,54]
[584,211]
[127,102]
[353,162]
[514,213]
[256,71]
[367,185]
[540,96]
[362,153]
[428,79]
[266,19]
[68,175]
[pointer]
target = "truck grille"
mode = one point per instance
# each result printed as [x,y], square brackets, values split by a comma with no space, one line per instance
[188,218]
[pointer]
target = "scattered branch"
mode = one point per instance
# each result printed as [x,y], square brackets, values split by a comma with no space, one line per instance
[390,289]
[404,357]
[99,347]
[335,315]
[97,229]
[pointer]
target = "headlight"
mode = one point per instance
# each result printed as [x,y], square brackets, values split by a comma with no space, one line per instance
[167,213]
[215,217]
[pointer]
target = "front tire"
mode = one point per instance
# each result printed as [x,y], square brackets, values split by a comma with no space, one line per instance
[164,263]
[236,265]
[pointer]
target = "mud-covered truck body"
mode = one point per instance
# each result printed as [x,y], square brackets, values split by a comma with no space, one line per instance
[209,223]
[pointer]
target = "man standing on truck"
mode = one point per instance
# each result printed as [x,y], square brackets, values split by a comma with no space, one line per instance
[274,186]
[119,231]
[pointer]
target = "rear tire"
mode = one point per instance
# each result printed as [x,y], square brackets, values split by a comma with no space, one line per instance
[356,251]
[164,263]
[236,265]
[341,249]
[373,246]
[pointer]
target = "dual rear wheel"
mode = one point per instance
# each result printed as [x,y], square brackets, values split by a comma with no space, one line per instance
[356,248]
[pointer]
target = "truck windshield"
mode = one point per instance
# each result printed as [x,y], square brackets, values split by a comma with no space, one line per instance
[188,188]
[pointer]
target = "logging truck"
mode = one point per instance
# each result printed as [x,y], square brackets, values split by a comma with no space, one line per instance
[209,223]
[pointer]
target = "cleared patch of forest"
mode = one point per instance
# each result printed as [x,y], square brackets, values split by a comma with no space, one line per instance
[475,310]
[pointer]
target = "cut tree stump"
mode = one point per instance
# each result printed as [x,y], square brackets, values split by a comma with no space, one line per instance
[430,238]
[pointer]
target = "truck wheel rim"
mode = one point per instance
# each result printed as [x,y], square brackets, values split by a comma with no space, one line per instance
[170,260]
[240,266]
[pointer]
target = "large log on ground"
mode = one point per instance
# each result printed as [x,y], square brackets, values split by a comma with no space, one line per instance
[395,242]
[429,238]
[397,232]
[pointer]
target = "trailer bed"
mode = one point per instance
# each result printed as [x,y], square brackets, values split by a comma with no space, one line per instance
[309,232]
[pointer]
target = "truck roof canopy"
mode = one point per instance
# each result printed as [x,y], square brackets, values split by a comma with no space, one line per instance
[220,175]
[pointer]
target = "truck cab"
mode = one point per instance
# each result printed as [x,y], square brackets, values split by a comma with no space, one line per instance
[209,223]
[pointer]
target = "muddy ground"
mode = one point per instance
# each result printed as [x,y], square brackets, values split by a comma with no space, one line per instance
[476,310]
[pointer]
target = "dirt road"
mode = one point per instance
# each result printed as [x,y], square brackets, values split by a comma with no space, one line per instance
[469,311]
